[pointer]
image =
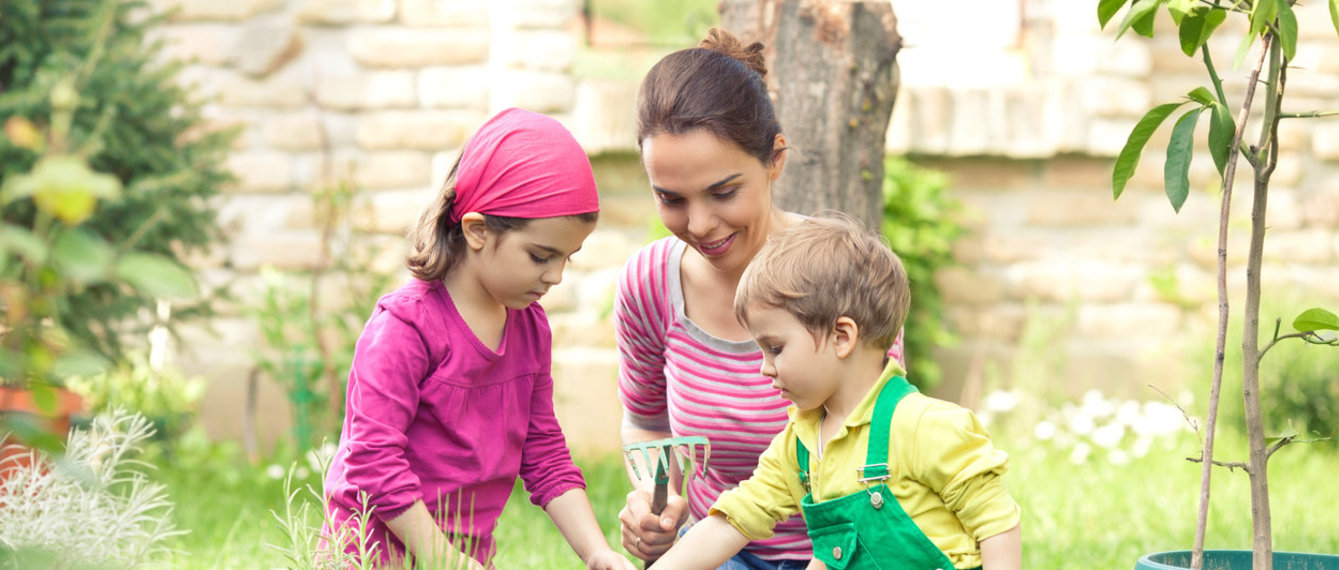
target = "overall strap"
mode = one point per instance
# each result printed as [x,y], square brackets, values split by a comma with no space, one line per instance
[876,453]
[802,456]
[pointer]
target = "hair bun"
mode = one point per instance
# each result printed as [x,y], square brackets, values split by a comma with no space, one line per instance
[721,41]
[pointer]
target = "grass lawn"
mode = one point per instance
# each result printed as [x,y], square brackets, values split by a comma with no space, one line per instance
[1091,515]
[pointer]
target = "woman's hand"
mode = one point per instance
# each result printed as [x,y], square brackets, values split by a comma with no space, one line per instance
[648,536]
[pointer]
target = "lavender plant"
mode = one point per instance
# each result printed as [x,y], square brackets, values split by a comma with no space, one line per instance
[92,506]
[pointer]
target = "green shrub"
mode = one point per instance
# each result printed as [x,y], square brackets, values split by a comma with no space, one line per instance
[165,397]
[307,340]
[920,224]
[139,127]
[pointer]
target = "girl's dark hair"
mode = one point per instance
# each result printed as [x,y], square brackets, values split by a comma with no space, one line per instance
[718,86]
[437,244]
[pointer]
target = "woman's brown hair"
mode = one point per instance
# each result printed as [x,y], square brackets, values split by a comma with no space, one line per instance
[719,86]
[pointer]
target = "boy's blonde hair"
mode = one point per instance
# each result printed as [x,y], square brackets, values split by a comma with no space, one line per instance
[821,269]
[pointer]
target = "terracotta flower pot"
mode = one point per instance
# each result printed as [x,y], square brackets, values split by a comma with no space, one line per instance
[19,403]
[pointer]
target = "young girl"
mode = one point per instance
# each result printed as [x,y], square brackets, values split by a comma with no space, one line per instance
[450,396]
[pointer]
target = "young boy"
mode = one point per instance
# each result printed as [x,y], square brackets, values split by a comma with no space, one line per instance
[885,477]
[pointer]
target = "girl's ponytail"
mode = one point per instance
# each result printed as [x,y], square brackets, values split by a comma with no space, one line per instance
[436,243]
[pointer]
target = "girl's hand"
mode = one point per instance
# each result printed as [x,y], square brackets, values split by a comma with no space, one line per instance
[607,559]
[648,536]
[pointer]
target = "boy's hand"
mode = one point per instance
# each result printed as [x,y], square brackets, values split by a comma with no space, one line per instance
[607,559]
[648,536]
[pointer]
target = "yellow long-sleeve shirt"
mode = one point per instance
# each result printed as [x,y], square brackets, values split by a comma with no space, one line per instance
[945,473]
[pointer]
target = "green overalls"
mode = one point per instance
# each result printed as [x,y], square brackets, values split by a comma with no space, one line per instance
[869,529]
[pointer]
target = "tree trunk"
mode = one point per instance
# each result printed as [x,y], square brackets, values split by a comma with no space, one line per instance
[833,77]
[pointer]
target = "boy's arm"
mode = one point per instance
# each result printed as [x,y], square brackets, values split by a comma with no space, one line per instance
[426,541]
[1003,551]
[708,544]
[572,514]
[952,454]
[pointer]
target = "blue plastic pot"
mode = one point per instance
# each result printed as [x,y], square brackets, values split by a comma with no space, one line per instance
[1236,560]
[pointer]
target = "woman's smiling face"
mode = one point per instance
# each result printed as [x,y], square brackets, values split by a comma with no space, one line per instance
[712,194]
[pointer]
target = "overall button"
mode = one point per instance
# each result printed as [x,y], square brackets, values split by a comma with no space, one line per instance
[837,552]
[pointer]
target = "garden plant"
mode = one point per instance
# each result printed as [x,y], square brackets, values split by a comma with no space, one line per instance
[95,508]
[1271,29]
[107,168]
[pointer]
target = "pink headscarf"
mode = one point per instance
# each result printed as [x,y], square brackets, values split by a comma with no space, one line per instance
[524,165]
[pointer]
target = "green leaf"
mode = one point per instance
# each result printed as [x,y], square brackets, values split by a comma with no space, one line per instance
[1179,9]
[1176,172]
[1287,30]
[11,363]
[44,396]
[1202,96]
[1196,29]
[1222,127]
[1288,434]
[1140,17]
[1263,14]
[1243,48]
[1316,319]
[1334,15]
[1144,25]
[30,432]
[80,362]
[81,256]
[1108,8]
[155,275]
[23,243]
[1128,158]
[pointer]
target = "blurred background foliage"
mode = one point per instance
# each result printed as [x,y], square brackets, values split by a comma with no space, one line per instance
[139,126]
[921,222]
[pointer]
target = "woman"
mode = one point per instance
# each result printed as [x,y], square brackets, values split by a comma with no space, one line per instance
[712,148]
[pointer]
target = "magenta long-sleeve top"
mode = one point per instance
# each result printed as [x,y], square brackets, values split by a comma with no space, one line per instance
[435,415]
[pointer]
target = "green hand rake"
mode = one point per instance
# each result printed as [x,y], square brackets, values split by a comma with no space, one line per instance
[662,450]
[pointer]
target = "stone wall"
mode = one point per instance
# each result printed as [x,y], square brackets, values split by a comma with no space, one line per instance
[1115,295]
[380,94]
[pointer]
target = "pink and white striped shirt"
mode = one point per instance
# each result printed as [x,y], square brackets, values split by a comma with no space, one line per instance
[675,377]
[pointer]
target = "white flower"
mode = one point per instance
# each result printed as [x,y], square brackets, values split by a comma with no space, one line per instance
[1118,457]
[1080,452]
[1127,414]
[1081,423]
[1142,443]
[274,472]
[1045,430]
[1096,405]
[1159,419]
[1109,435]
[1001,401]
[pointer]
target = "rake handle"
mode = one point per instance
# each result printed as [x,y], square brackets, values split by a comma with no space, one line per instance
[659,496]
